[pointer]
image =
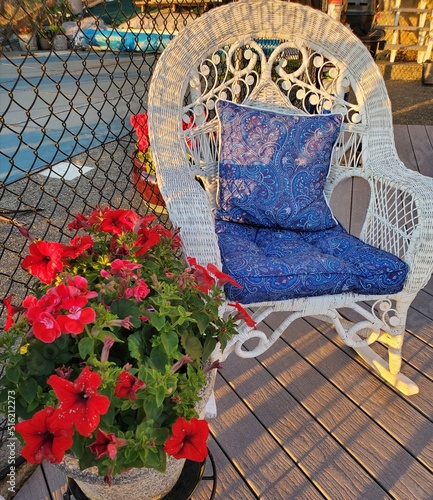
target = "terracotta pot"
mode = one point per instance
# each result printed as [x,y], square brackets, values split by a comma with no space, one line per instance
[147,186]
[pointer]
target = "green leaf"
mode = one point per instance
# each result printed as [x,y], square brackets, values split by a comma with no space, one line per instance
[209,347]
[85,347]
[157,321]
[13,374]
[153,459]
[79,445]
[161,435]
[192,345]
[28,388]
[170,342]
[124,308]
[202,320]
[152,411]
[137,347]
[160,395]
[159,358]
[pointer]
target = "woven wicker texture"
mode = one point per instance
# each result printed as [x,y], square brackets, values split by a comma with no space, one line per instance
[287,56]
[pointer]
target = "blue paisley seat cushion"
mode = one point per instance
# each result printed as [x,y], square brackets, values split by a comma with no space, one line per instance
[273,167]
[282,264]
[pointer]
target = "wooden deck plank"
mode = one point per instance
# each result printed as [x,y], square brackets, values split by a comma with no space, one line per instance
[423,401]
[392,411]
[321,458]
[56,480]
[403,144]
[389,464]
[230,484]
[35,488]
[422,148]
[268,471]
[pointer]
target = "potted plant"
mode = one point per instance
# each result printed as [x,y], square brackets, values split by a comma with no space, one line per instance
[109,363]
[27,39]
[143,170]
[52,37]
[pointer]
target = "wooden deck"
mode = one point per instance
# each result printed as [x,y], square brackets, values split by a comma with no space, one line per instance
[308,420]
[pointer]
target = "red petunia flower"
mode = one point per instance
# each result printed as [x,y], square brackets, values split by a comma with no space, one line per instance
[45,436]
[147,238]
[201,274]
[106,444]
[77,246]
[80,402]
[188,440]
[11,311]
[222,278]
[44,261]
[77,316]
[124,268]
[79,222]
[118,221]
[243,315]
[139,122]
[128,386]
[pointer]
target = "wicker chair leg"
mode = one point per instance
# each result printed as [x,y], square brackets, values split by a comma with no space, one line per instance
[397,380]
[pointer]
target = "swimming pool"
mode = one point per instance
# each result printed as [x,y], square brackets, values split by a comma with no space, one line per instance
[130,41]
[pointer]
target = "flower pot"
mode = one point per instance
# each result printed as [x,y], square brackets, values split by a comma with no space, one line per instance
[44,43]
[28,42]
[133,484]
[147,186]
[60,42]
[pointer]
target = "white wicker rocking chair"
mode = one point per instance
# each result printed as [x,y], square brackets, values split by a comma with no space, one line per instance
[275,54]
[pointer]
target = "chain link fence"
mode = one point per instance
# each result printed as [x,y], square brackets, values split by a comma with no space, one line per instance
[72,74]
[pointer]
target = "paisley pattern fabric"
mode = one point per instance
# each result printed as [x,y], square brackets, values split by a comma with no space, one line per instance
[281,264]
[273,167]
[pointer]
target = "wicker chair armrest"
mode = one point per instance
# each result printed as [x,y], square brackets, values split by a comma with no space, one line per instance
[400,218]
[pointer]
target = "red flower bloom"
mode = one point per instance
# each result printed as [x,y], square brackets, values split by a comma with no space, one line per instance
[139,292]
[222,277]
[79,222]
[148,237]
[139,122]
[243,315]
[45,327]
[81,284]
[44,261]
[46,438]
[77,246]
[188,440]
[106,444]
[128,386]
[204,279]
[11,310]
[80,402]
[77,316]
[118,221]
[124,268]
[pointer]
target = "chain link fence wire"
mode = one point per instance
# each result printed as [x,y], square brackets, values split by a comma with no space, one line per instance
[71,75]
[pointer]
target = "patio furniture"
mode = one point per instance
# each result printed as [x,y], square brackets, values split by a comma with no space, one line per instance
[254,76]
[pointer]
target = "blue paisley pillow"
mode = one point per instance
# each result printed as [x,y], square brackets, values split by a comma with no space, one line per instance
[273,167]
